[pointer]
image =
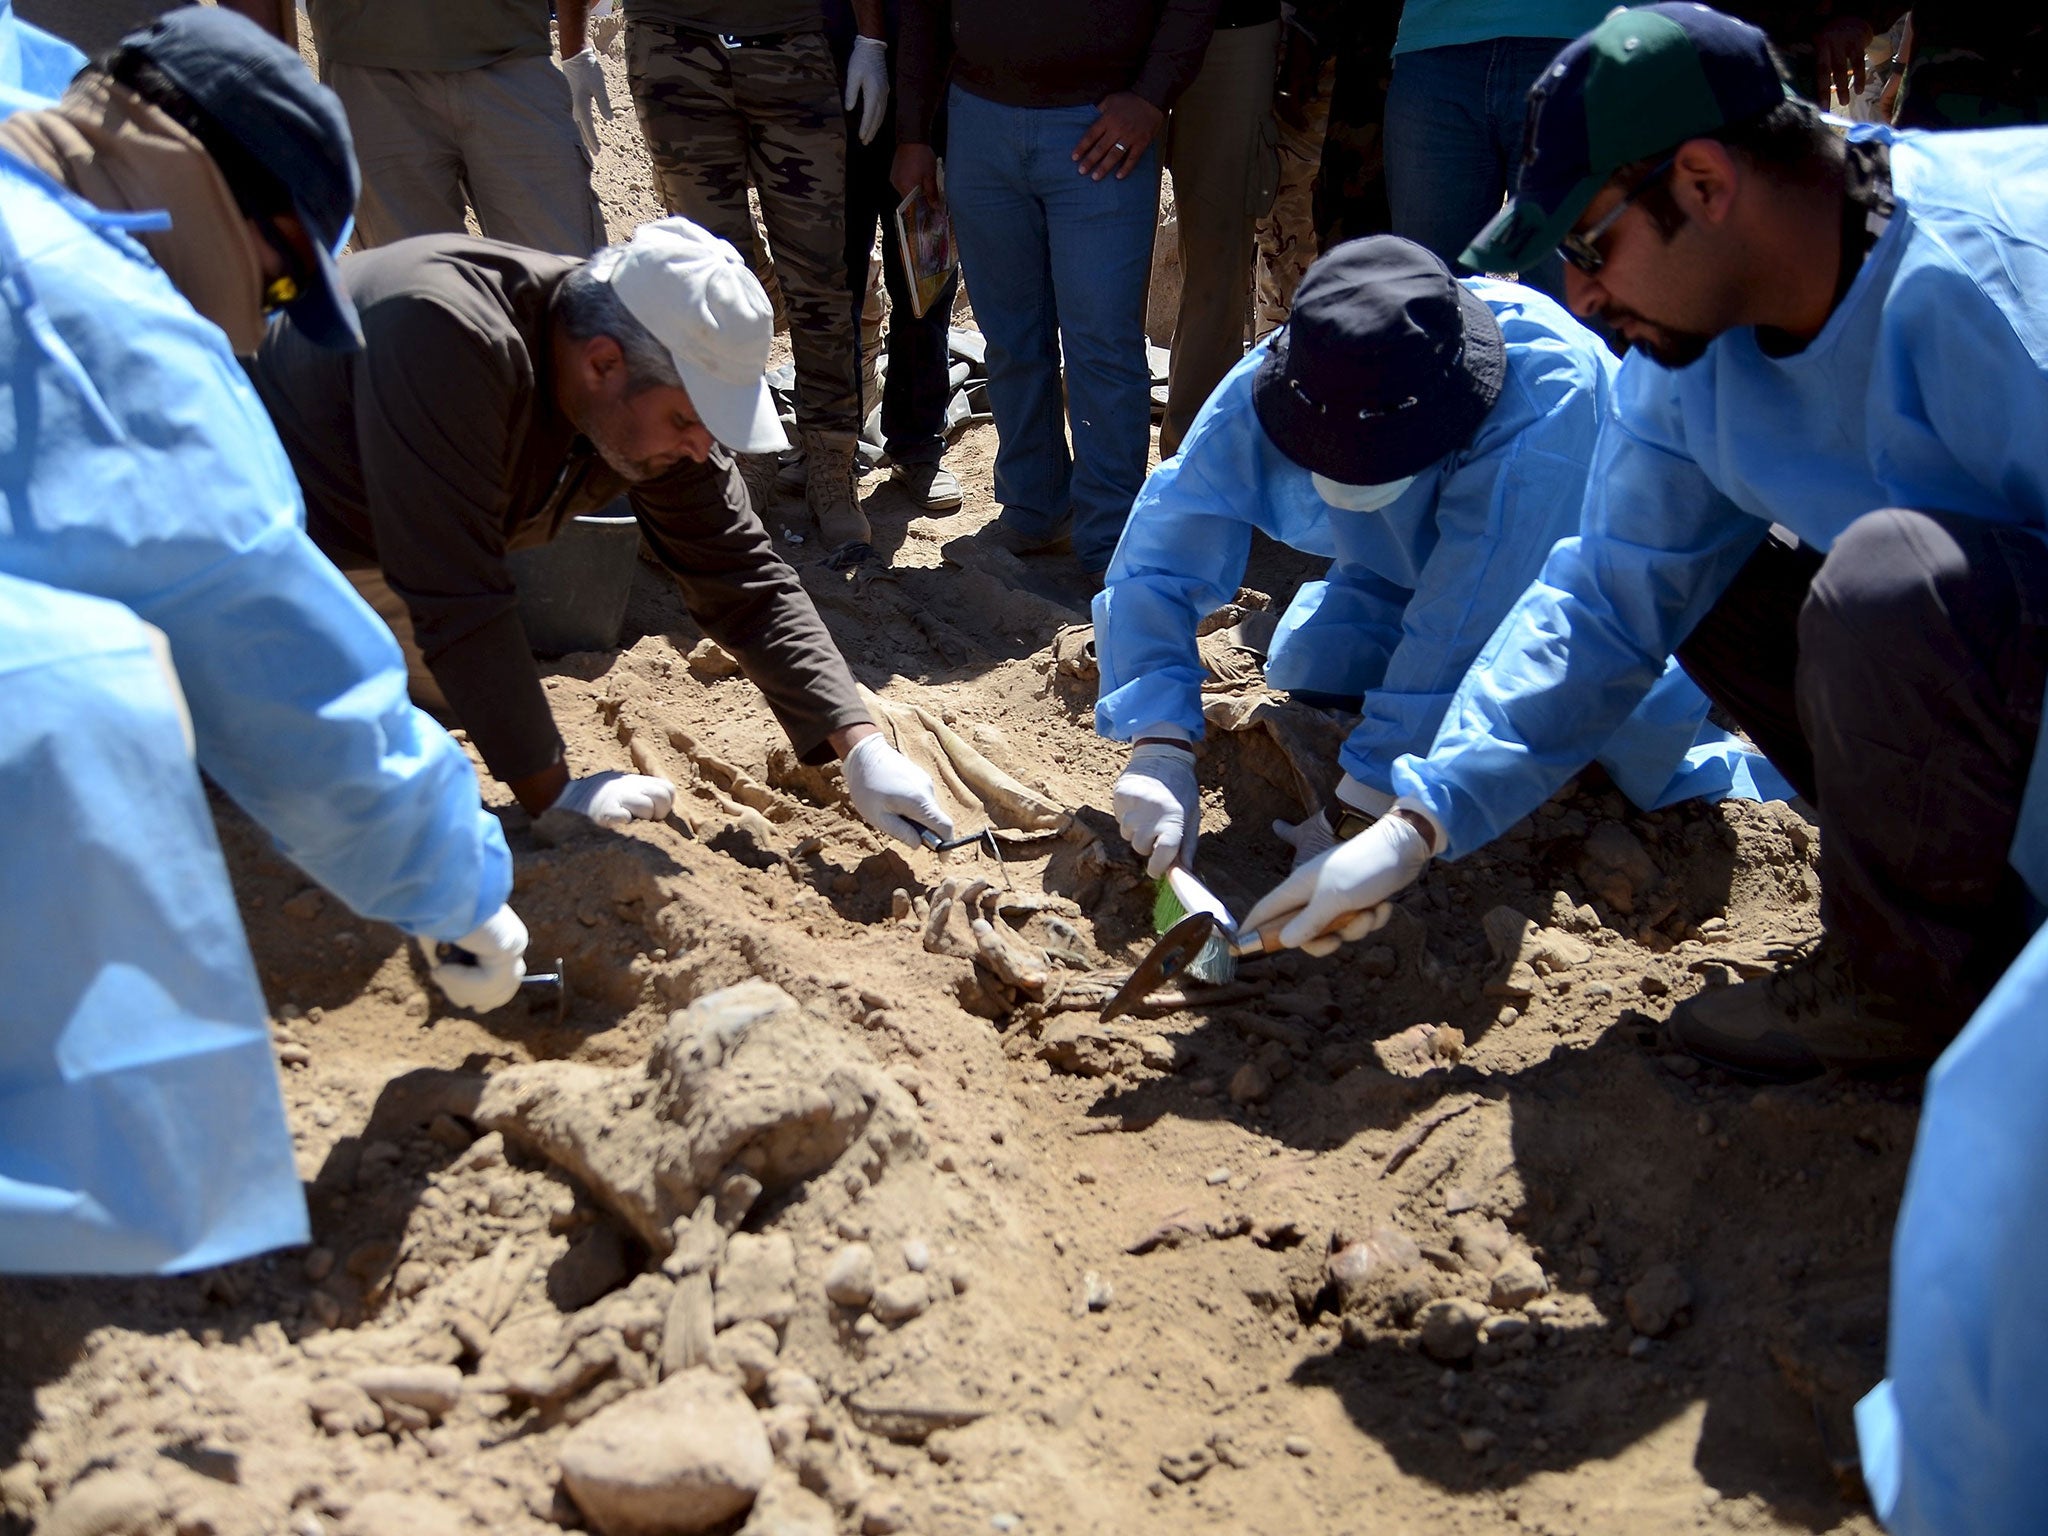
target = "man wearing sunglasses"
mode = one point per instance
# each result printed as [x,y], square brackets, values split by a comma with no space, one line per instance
[1432,436]
[1846,342]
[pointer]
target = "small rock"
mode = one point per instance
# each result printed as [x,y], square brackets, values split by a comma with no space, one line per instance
[757,1279]
[305,906]
[1653,985]
[709,661]
[1639,1347]
[433,1388]
[883,1514]
[415,1514]
[787,1508]
[917,1255]
[675,1459]
[901,1299]
[1500,1329]
[789,1387]
[1249,1084]
[1516,1283]
[1158,1052]
[319,1264]
[1450,1329]
[118,1503]
[1477,1440]
[1378,961]
[343,1408]
[1217,1176]
[1458,1200]
[1298,1445]
[1096,1292]
[850,1277]
[1655,1301]
[749,1348]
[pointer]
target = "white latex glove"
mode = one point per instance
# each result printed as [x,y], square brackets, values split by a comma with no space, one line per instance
[1342,895]
[892,793]
[612,798]
[1159,806]
[1308,838]
[587,94]
[867,84]
[490,977]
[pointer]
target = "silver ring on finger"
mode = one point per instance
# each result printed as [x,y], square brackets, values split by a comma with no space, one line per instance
[1123,149]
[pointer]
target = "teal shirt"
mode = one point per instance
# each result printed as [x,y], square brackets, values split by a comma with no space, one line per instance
[1446,23]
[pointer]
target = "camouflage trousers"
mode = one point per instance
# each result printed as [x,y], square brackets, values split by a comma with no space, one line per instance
[718,119]
[1332,178]
[1286,235]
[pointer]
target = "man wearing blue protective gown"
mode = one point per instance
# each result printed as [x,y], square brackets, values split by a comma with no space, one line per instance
[153,571]
[1846,339]
[1437,514]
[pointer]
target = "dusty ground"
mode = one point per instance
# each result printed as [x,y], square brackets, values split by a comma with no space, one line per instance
[1177,1272]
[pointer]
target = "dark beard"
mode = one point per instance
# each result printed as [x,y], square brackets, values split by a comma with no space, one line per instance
[1674,349]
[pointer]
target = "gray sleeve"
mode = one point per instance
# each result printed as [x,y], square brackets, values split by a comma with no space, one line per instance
[1178,43]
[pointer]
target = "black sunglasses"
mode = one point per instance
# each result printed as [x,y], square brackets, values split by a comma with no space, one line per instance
[1580,247]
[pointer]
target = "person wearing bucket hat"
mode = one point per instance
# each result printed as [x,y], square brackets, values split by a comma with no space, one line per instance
[1431,437]
[501,392]
[206,116]
[1823,487]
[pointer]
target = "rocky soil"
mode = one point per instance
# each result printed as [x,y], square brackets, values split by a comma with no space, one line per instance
[829,1205]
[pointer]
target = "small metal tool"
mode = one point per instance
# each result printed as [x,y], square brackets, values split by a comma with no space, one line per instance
[1170,955]
[534,984]
[986,837]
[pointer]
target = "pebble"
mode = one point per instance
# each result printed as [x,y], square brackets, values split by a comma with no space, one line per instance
[850,1277]
[917,1255]
[1298,1445]
[1249,1084]
[901,1299]
[680,1457]
[749,1348]
[1654,1302]
[1158,1052]
[1517,1282]
[757,1278]
[1450,1329]
[319,1264]
[1217,1176]
[1458,1200]
[1478,1440]
[1096,1292]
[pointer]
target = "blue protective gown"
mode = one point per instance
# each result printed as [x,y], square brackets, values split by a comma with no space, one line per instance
[1927,389]
[1955,1439]
[136,465]
[141,1124]
[1415,588]
[34,66]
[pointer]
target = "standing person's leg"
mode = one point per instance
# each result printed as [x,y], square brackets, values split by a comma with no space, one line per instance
[1100,237]
[524,161]
[683,95]
[1444,180]
[1351,185]
[1286,235]
[1513,68]
[788,96]
[1220,151]
[1001,227]
[408,149]
[918,386]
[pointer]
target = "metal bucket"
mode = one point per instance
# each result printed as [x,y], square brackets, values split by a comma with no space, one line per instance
[573,590]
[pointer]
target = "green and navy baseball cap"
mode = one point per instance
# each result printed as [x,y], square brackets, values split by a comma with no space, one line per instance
[1640,84]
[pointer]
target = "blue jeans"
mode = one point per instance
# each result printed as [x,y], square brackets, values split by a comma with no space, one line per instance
[1056,263]
[1454,141]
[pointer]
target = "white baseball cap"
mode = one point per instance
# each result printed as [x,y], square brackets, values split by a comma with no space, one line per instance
[698,298]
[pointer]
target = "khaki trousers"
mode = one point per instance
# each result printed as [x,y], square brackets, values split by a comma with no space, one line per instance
[1221,150]
[503,138]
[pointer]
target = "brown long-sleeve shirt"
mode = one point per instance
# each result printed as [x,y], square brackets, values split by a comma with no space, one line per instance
[439,446]
[1050,53]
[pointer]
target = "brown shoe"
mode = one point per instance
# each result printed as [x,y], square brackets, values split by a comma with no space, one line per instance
[829,490]
[1003,536]
[1804,1019]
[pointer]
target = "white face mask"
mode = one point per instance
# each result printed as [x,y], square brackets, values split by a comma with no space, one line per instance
[1360,498]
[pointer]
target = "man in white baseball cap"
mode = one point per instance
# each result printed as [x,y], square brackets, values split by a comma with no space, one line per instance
[501,392]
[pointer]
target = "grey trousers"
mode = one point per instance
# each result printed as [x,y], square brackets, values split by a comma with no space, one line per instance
[503,137]
[1897,681]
